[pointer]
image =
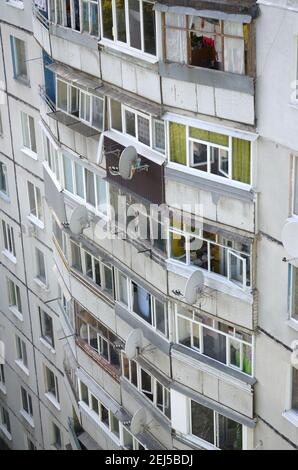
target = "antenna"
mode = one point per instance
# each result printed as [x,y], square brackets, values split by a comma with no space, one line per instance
[129,164]
[289,238]
[134,344]
[139,421]
[194,287]
[79,220]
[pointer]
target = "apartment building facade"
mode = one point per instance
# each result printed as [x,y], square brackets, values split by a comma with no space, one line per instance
[138,223]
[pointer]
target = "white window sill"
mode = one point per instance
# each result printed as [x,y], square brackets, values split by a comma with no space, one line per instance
[5,432]
[3,389]
[41,284]
[9,256]
[16,4]
[95,418]
[143,150]
[53,176]
[208,176]
[199,442]
[28,418]
[293,324]
[291,416]
[47,345]
[21,365]
[129,51]
[29,153]
[16,313]
[4,196]
[53,400]
[212,280]
[35,221]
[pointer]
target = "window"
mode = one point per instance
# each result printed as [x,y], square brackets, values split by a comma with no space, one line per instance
[28,132]
[3,179]
[210,152]
[66,307]
[57,438]
[214,428]
[208,43]
[35,203]
[51,384]
[106,419]
[214,339]
[26,403]
[139,126]
[40,266]
[18,51]
[210,251]
[142,303]
[60,236]
[89,108]
[2,377]
[295,389]
[90,22]
[8,238]
[21,352]
[100,338]
[98,272]
[51,156]
[148,385]
[46,327]
[86,184]
[14,296]
[5,421]
[293,292]
[131,23]
[80,15]
[76,261]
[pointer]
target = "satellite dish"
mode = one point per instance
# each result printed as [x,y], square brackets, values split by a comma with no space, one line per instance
[127,162]
[138,422]
[79,220]
[289,238]
[133,343]
[194,286]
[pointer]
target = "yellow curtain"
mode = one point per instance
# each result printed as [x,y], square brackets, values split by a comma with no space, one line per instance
[178,143]
[207,136]
[241,160]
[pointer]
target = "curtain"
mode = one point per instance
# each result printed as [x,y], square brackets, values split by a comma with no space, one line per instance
[234,48]
[178,143]
[241,160]
[176,40]
[207,136]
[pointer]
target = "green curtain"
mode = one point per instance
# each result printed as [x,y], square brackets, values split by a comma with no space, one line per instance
[241,160]
[207,136]
[178,143]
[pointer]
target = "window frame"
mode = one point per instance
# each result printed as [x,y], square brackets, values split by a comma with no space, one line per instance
[228,250]
[127,44]
[229,338]
[8,238]
[21,352]
[26,402]
[152,120]
[36,212]
[152,302]
[50,340]
[40,256]
[81,92]
[30,130]
[3,177]
[154,383]
[16,75]
[11,285]
[48,390]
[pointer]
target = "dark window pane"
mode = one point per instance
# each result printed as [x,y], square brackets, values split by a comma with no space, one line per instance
[134,24]
[214,345]
[120,15]
[107,19]
[149,28]
[202,423]
[229,434]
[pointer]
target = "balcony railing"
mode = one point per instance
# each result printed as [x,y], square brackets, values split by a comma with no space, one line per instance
[39,16]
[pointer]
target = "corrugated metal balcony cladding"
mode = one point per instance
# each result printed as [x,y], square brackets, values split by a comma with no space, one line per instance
[147,184]
[238,7]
